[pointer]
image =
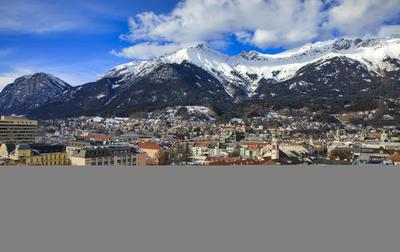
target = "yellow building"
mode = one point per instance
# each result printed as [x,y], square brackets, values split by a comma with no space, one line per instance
[47,155]
[17,130]
[34,154]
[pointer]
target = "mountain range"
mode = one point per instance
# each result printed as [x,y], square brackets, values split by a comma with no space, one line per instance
[334,76]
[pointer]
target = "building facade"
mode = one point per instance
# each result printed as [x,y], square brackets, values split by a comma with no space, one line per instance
[154,153]
[23,154]
[17,130]
[107,156]
[80,144]
[47,155]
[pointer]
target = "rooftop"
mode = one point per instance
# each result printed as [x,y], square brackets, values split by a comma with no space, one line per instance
[147,145]
[17,120]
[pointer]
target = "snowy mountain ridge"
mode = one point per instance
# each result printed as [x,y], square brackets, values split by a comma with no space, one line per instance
[246,69]
[331,76]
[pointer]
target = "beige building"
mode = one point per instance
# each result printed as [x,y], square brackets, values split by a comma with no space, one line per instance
[17,130]
[154,153]
[108,156]
[77,145]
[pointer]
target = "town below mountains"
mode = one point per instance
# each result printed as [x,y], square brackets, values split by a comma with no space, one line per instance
[182,137]
[354,79]
[333,102]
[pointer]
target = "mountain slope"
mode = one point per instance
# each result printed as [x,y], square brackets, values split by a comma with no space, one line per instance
[324,72]
[29,92]
[338,76]
[166,85]
[240,74]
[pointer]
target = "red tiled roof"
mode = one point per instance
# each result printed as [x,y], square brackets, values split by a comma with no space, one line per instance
[238,161]
[97,137]
[253,147]
[200,144]
[395,157]
[152,146]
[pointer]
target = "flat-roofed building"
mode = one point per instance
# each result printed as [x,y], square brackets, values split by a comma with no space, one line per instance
[107,156]
[17,130]
[80,144]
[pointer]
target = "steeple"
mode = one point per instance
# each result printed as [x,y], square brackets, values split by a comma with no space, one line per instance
[275,146]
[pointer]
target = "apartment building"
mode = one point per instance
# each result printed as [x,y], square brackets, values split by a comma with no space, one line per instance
[80,144]
[108,156]
[17,130]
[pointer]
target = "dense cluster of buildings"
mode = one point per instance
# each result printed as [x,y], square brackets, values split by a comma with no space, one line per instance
[273,140]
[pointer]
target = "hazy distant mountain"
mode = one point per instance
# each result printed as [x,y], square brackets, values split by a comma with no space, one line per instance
[29,92]
[335,70]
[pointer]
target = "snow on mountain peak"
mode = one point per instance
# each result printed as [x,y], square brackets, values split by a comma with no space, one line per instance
[197,55]
[236,70]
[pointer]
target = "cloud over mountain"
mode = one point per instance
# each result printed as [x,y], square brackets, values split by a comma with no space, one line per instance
[259,23]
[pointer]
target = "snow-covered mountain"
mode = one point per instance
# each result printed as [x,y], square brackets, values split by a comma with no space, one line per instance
[332,74]
[30,92]
[166,85]
[244,71]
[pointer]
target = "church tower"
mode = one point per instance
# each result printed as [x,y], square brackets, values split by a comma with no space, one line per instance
[275,147]
[275,150]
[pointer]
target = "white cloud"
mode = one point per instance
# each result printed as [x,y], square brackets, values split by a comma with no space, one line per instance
[258,22]
[33,17]
[261,23]
[4,80]
[362,17]
[147,50]
[46,16]
[389,30]
[9,77]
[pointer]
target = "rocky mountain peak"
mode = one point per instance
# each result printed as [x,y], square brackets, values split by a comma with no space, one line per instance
[30,91]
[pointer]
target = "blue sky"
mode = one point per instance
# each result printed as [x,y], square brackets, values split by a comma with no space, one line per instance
[79,41]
